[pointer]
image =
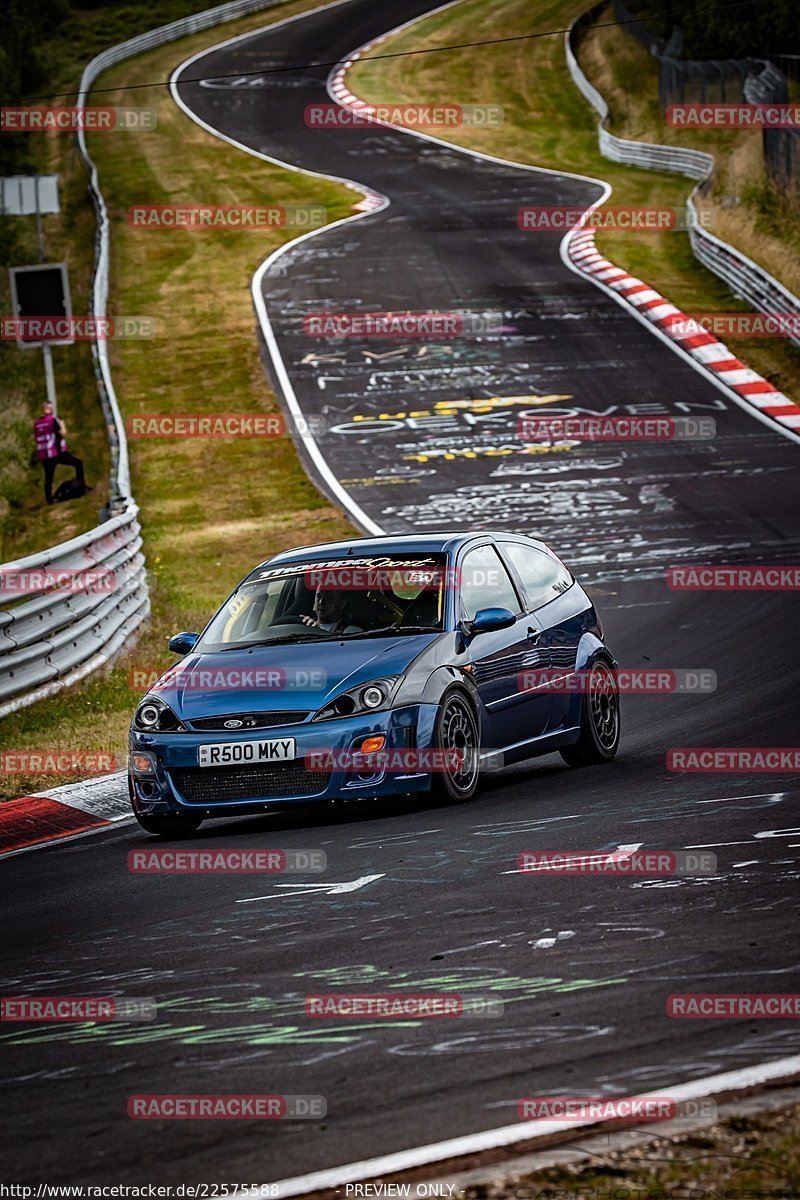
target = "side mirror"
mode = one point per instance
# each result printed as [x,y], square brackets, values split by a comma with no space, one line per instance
[487,620]
[182,643]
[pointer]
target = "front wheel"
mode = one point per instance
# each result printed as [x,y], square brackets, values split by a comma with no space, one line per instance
[170,825]
[456,735]
[598,741]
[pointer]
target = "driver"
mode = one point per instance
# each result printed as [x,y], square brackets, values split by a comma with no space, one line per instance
[330,613]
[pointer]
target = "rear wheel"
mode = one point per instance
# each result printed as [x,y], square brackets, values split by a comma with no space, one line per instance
[456,734]
[172,825]
[600,725]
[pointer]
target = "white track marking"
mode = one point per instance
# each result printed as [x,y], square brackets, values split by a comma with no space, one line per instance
[618,855]
[756,796]
[315,454]
[358,515]
[607,286]
[509,1135]
[315,889]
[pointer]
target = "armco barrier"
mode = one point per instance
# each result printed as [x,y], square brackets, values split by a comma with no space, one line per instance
[55,636]
[745,278]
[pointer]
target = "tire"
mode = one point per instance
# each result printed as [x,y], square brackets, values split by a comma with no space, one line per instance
[456,729]
[598,741]
[170,825]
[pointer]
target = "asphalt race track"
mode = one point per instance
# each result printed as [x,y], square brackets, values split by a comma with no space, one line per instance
[450,242]
[584,966]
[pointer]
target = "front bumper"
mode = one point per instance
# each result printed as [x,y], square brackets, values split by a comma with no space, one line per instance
[176,783]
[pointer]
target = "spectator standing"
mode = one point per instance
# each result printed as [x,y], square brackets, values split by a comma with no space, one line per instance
[51,449]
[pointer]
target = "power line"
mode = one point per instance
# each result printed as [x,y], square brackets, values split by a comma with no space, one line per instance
[521,37]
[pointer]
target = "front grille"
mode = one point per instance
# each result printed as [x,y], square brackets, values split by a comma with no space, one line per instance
[221,785]
[261,720]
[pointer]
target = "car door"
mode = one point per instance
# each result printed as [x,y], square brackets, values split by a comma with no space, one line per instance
[560,608]
[499,657]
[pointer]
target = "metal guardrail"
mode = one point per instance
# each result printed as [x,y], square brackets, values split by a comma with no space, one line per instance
[50,635]
[746,279]
[54,634]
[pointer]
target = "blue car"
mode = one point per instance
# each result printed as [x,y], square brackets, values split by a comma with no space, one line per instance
[377,667]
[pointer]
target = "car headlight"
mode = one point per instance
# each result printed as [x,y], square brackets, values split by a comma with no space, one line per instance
[368,697]
[154,716]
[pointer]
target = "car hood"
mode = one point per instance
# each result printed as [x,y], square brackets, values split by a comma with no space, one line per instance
[282,678]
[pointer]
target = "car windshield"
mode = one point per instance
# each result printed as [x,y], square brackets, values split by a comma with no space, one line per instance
[328,599]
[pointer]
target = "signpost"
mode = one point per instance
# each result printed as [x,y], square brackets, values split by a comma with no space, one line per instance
[41,291]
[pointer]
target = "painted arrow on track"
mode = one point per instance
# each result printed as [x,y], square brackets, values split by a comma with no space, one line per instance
[314,889]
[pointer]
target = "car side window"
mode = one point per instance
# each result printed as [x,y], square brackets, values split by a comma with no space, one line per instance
[485,583]
[543,577]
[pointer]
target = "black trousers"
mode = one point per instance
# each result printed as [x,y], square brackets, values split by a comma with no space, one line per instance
[65,459]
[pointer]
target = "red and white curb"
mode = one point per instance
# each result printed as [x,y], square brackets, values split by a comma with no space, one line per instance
[711,355]
[63,813]
[708,355]
[339,90]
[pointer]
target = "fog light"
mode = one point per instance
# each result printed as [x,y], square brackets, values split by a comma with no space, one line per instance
[142,764]
[372,745]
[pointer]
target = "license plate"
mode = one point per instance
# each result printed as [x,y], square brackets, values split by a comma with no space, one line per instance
[231,754]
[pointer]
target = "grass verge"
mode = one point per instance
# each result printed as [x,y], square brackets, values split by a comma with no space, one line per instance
[210,509]
[27,524]
[740,1158]
[548,123]
[761,220]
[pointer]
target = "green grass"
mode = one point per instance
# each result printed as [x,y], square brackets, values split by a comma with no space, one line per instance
[88,30]
[27,524]
[756,216]
[548,123]
[210,509]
